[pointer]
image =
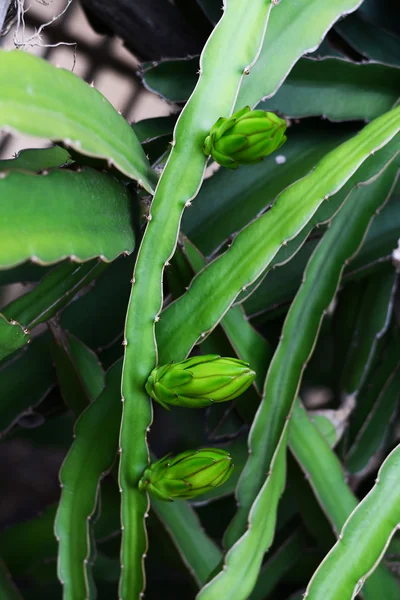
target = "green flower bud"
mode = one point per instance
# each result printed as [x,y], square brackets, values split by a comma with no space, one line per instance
[187,475]
[245,137]
[199,381]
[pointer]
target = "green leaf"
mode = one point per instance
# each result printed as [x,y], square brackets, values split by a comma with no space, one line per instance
[327,480]
[25,273]
[229,200]
[384,13]
[12,336]
[90,457]
[173,80]
[23,544]
[50,295]
[37,159]
[258,498]
[155,135]
[380,240]
[377,380]
[25,381]
[300,331]
[8,590]
[247,343]
[217,286]
[104,303]
[368,39]
[289,36]
[45,101]
[26,545]
[373,435]
[46,218]
[325,212]
[368,329]
[212,8]
[80,375]
[292,33]
[199,553]
[222,68]
[149,130]
[284,558]
[337,89]
[279,285]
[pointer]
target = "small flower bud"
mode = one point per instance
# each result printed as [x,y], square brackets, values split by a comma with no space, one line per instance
[189,474]
[245,138]
[199,381]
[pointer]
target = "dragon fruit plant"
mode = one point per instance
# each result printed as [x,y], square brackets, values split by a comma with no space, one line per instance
[212,354]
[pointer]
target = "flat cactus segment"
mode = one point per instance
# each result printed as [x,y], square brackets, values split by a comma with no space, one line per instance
[366,527]
[252,529]
[12,336]
[222,68]
[215,288]
[289,36]
[46,218]
[53,103]
[86,463]
[351,90]
[37,159]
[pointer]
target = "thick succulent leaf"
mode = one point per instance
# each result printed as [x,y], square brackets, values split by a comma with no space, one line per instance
[279,285]
[198,551]
[50,295]
[90,457]
[276,567]
[25,545]
[300,330]
[155,135]
[326,478]
[12,336]
[241,568]
[25,381]
[384,13]
[25,273]
[369,328]
[291,34]
[212,8]
[326,211]
[149,130]
[229,339]
[8,590]
[37,159]
[368,39]
[173,80]
[381,238]
[258,499]
[337,89]
[333,423]
[46,218]
[228,200]
[79,373]
[324,470]
[374,433]
[104,303]
[246,342]
[256,246]
[377,380]
[45,101]
[222,67]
